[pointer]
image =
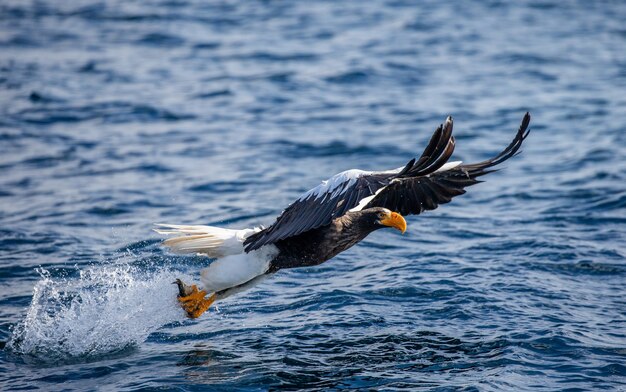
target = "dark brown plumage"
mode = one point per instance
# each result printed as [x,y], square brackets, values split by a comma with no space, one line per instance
[319,245]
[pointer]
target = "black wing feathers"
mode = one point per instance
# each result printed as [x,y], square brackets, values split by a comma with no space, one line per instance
[315,211]
[509,151]
[417,187]
[417,194]
[435,155]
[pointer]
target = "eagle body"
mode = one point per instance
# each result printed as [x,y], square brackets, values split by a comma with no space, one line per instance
[328,219]
[322,244]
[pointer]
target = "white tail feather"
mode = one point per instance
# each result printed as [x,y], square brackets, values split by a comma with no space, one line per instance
[211,241]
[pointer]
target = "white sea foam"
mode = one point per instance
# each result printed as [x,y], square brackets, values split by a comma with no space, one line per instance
[106,309]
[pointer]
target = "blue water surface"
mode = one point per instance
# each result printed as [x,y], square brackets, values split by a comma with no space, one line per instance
[116,114]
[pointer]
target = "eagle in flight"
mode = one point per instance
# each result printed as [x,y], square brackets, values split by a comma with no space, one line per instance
[328,219]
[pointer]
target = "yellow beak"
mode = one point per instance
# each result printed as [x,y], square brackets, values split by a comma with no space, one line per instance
[395,220]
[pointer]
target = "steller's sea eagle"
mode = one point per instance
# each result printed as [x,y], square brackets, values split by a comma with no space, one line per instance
[328,219]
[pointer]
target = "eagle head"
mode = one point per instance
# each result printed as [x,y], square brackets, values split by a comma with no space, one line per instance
[383,217]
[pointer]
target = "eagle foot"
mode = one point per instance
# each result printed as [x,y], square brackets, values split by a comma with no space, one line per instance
[192,300]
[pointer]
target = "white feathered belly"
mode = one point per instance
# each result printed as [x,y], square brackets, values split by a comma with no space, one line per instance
[234,270]
[233,266]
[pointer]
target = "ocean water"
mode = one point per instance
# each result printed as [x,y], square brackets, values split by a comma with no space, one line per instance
[115,115]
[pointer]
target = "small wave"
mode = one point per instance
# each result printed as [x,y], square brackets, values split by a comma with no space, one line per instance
[160,39]
[611,202]
[351,77]
[37,97]
[112,112]
[106,310]
[332,148]
[106,211]
[276,57]
[583,267]
[221,186]
[214,94]
[524,58]
[207,45]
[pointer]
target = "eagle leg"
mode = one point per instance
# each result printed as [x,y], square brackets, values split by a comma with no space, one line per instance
[192,300]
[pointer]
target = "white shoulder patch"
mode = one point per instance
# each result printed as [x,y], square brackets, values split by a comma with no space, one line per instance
[335,184]
[341,181]
[448,166]
[363,202]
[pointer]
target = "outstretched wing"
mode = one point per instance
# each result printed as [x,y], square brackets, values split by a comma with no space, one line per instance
[413,195]
[344,191]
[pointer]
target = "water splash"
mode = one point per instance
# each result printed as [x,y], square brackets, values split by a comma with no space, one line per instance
[106,310]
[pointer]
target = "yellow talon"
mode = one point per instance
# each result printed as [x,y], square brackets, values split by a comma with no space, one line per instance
[194,302]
